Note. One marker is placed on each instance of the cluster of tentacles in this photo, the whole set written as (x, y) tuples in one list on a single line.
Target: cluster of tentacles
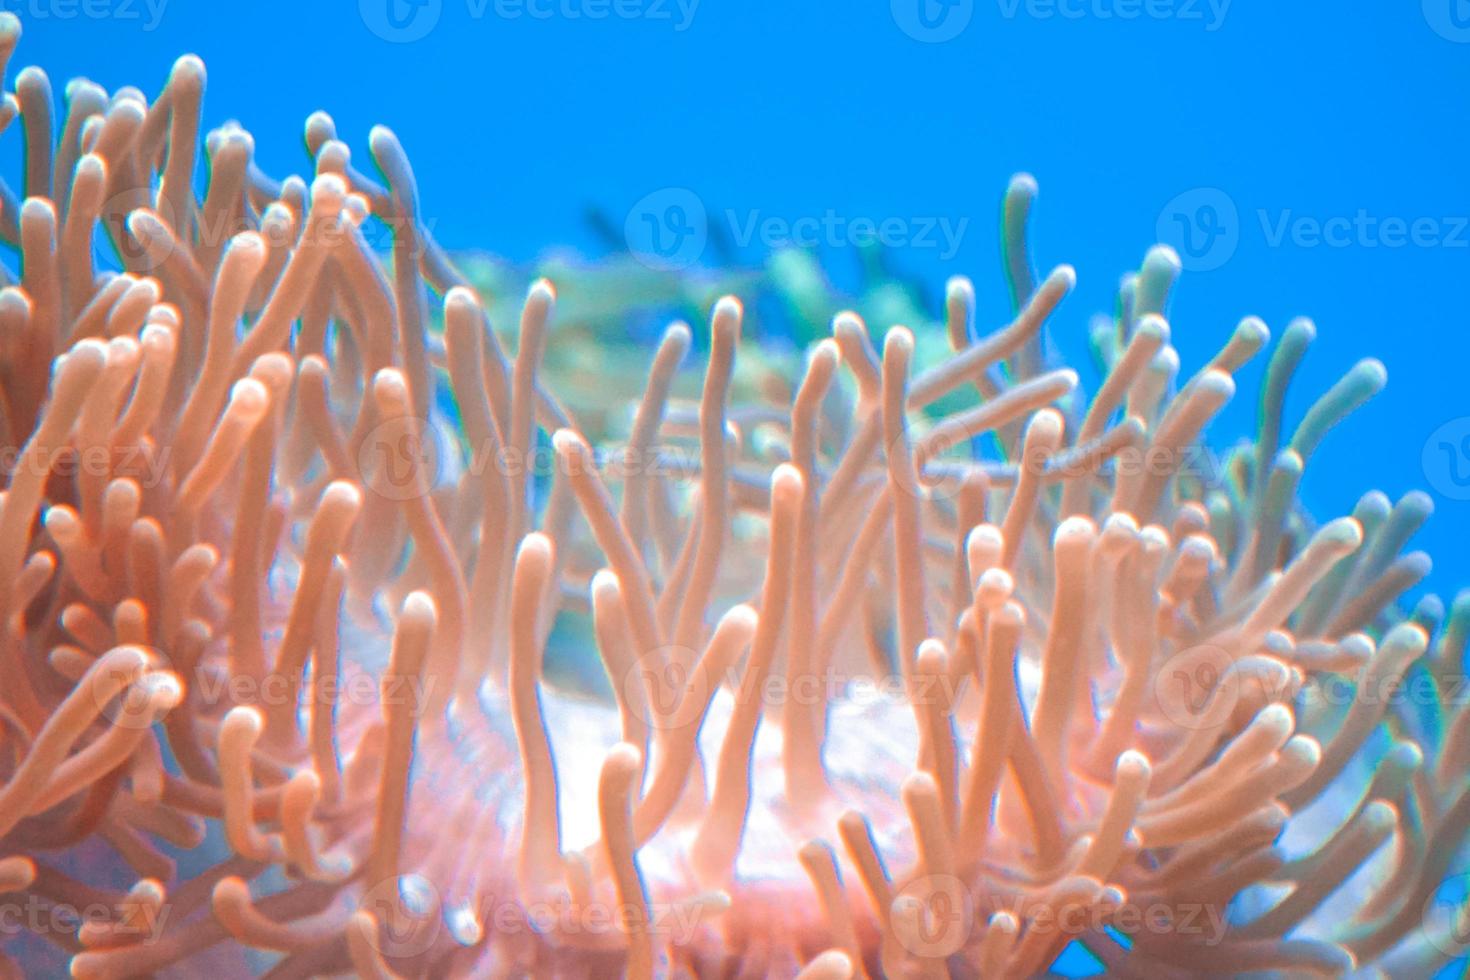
[(914, 670)]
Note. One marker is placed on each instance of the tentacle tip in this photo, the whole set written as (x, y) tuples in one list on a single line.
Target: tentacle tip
[(188, 70), (462, 299), (917, 785), (1023, 184), (34, 209), (246, 718), (786, 483), (389, 383), (1373, 372), (328, 190), (744, 617), (825, 352), (1218, 383), (249, 397), (1254, 330), (534, 546), (1380, 815), (848, 322), (624, 758), (728, 308), (1419, 502), (1164, 259), (1064, 277), (31, 75), (605, 583), (381, 139), (1278, 716), (899, 340), (1290, 461), (1133, 762), (1075, 530), (231, 890), (420, 604), (344, 494), (959, 288), (1154, 327), (569, 444), (1304, 327), (1344, 532)]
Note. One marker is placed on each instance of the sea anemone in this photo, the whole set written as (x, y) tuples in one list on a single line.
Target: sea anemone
[(906, 661)]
